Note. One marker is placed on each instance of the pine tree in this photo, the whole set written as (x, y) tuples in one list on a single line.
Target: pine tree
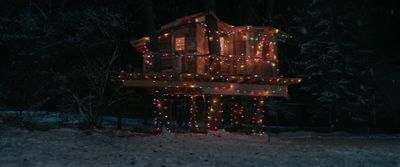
[(334, 66)]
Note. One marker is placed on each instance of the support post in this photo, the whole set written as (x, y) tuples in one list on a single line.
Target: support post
[(159, 104), (237, 113), (215, 113), (259, 115), (193, 113)]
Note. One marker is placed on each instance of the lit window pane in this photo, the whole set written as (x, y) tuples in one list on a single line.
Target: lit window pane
[(222, 45), (180, 43)]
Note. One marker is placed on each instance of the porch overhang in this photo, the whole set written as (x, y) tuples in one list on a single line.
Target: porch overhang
[(212, 88), (193, 84)]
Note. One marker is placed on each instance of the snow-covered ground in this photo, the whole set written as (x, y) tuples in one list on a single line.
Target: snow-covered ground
[(60, 146), (73, 147)]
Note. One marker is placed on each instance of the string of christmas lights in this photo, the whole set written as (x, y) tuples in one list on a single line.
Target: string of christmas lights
[(215, 119), (247, 57), (208, 77), (193, 113), (261, 39), (257, 119), (157, 102), (237, 113)]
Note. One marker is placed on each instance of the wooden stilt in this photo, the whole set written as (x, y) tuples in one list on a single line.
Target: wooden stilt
[(237, 113), (193, 113), (259, 115), (215, 113), (160, 106)]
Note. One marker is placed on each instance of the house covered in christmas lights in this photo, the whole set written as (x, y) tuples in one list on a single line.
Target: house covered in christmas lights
[(201, 56)]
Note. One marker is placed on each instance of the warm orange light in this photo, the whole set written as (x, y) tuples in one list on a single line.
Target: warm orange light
[(180, 43), (222, 44)]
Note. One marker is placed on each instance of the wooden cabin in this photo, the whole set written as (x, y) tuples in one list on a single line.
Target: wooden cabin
[(200, 55)]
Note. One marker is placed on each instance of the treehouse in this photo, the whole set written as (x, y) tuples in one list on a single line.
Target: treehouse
[(199, 55)]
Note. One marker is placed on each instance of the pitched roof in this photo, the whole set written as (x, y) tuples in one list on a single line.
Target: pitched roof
[(184, 20), (221, 26)]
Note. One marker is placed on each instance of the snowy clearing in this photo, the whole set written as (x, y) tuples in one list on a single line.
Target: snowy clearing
[(72, 147)]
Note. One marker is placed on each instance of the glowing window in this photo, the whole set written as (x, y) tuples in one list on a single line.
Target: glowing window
[(222, 45), (180, 43), (200, 19)]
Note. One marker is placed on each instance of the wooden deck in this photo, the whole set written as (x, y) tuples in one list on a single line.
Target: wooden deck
[(205, 85)]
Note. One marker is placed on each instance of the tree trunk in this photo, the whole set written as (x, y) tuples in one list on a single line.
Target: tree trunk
[(150, 26), (212, 26), (209, 5)]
